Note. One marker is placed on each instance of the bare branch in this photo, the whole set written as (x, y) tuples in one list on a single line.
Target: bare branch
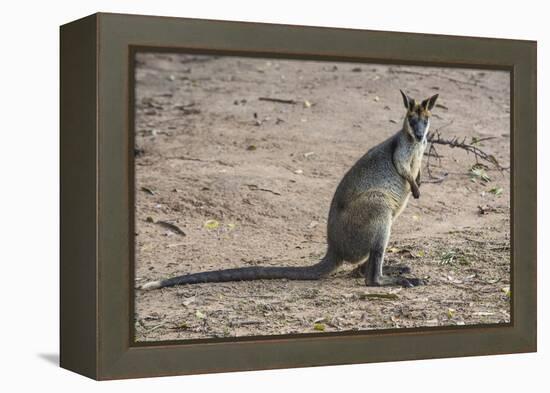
[(454, 142), (435, 138)]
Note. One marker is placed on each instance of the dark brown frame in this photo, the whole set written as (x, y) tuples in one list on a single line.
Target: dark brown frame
[(97, 195)]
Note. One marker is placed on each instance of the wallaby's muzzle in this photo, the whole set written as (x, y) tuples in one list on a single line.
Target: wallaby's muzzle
[(419, 127), (419, 134)]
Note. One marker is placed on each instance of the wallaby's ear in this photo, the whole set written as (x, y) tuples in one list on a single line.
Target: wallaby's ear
[(406, 100), (429, 103)]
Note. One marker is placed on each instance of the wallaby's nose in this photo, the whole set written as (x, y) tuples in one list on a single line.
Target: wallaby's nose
[(419, 135)]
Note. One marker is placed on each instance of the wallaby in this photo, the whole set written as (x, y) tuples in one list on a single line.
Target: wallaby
[(366, 203)]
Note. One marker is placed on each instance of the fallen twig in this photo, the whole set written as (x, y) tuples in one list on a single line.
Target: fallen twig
[(254, 187), (156, 327), (172, 227), (436, 180), (147, 190), (438, 75), (279, 100), (187, 158), (391, 296), (243, 323)]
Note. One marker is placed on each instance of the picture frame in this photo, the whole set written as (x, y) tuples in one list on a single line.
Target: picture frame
[(97, 195)]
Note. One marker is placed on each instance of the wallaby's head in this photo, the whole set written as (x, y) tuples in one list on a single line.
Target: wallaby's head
[(417, 120)]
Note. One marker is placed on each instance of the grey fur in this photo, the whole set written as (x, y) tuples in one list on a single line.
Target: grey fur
[(368, 200)]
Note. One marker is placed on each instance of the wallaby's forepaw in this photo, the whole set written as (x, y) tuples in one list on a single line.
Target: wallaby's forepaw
[(416, 193)]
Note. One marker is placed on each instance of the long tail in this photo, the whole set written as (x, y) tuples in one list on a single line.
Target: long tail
[(321, 269)]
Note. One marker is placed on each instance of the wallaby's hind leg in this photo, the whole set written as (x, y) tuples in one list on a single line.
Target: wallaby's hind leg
[(375, 265), (376, 278), (362, 231)]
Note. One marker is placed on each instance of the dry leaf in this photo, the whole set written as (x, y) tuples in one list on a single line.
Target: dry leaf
[(211, 224)]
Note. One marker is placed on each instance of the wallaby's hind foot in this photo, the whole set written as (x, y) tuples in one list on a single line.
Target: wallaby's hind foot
[(416, 282), (375, 273), (383, 281), (394, 270)]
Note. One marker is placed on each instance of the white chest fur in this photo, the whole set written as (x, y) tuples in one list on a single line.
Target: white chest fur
[(416, 157)]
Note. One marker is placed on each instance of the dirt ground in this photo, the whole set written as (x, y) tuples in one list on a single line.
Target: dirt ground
[(249, 182)]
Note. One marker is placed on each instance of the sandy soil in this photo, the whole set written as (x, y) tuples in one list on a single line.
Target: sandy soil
[(249, 182)]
